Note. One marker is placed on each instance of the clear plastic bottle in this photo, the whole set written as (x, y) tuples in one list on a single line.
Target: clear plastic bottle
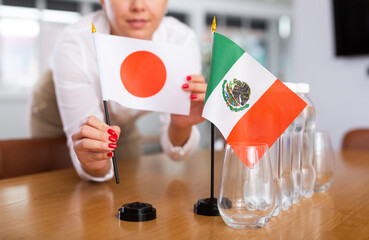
[(297, 135), (274, 159), (285, 169), (307, 168), (297, 157)]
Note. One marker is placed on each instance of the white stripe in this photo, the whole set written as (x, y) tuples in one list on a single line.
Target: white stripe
[(245, 69)]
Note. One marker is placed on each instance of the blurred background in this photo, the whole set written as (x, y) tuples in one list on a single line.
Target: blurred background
[(321, 42)]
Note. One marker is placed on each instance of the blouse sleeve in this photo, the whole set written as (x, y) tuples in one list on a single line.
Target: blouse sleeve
[(175, 152), (77, 91)]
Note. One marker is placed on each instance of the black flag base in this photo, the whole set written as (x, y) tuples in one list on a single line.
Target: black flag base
[(207, 207), (137, 212)]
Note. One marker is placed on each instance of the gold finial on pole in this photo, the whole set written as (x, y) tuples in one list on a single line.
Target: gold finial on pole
[(213, 25), (93, 28)]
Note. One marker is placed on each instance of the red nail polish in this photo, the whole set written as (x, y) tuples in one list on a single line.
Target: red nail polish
[(110, 154), (185, 85), (193, 96), (112, 145), (112, 138), (188, 78), (111, 132)]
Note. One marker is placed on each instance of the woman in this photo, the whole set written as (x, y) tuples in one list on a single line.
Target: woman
[(78, 91)]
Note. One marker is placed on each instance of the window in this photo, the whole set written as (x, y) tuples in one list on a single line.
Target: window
[(27, 37), (19, 33)]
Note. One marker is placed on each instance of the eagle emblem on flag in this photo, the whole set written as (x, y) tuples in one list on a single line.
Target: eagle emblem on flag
[(236, 93)]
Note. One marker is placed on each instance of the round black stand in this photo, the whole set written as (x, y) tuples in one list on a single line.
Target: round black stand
[(207, 207), (137, 212)]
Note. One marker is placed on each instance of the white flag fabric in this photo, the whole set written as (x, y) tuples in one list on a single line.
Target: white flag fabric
[(143, 74)]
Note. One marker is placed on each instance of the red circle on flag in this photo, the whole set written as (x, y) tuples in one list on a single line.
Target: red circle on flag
[(143, 74)]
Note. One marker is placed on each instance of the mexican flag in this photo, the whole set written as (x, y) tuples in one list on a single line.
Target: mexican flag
[(244, 100)]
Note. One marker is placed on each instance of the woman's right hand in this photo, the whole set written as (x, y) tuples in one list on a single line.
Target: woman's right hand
[(93, 144)]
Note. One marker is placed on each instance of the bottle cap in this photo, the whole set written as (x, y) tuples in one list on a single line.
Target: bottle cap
[(303, 88), (292, 86)]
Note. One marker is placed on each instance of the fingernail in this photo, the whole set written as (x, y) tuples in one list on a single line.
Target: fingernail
[(193, 96), (112, 138), (110, 154), (185, 85), (188, 78), (112, 145), (111, 132)]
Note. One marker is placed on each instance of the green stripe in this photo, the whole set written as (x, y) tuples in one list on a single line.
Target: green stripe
[(225, 54)]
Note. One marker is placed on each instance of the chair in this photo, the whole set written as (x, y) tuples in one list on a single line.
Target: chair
[(356, 139), (27, 156)]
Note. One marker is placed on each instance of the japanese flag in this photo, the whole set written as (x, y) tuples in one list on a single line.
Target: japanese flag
[(143, 74)]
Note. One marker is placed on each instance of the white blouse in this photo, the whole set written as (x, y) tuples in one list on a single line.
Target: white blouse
[(75, 74)]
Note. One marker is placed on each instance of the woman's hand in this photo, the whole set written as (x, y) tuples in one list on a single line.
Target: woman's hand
[(180, 126), (93, 144)]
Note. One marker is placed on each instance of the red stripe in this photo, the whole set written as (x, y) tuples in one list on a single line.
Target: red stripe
[(269, 117)]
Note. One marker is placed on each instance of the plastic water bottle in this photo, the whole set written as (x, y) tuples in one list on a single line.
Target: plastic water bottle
[(297, 136), (285, 169), (297, 157), (274, 159), (307, 168)]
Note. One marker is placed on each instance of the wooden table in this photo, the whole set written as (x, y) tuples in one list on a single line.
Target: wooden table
[(58, 205)]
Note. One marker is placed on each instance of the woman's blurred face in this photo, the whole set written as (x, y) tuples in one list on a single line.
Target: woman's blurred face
[(134, 18)]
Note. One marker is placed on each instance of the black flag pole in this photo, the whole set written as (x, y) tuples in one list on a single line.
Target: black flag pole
[(212, 164), (106, 111), (134, 211), (107, 120), (209, 206)]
